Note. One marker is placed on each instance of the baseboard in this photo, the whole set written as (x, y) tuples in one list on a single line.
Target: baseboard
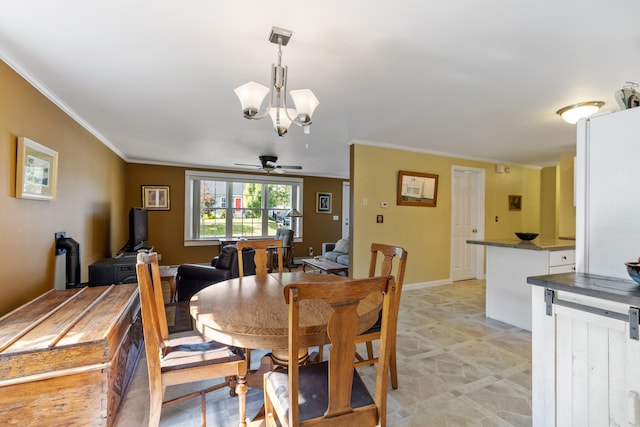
[(421, 285)]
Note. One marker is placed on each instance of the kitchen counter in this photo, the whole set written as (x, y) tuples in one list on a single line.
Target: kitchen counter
[(591, 285), (509, 263), (537, 244)]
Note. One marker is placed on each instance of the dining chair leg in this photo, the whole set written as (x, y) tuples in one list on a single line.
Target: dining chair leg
[(392, 365), (370, 352), (241, 391), (203, 409), (247, 355), (155, 403)]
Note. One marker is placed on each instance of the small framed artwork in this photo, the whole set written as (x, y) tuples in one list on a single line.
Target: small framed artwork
[(323, 202), (515, 202), (417, 189), (36, 171), (156, 197)]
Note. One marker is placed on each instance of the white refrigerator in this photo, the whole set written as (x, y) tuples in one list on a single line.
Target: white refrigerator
[(608, 193)]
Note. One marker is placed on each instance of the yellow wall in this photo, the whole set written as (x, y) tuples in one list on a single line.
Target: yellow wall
[(89, 194), (566, 207), (548, 202), (166, 228), (425, 231)]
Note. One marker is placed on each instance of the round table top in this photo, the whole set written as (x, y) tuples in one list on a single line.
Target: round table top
[(251, 311)]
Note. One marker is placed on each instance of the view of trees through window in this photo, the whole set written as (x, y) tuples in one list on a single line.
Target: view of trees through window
[(227, 207)]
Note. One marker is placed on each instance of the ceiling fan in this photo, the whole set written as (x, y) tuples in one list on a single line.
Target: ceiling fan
[(268, 164)]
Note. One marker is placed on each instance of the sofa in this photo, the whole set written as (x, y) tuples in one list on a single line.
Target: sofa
[(192, 278), (337, 252)]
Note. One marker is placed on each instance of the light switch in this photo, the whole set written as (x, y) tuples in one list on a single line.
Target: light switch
[(384, 204)]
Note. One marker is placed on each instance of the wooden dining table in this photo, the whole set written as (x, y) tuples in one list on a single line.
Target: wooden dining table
[(251, 312)]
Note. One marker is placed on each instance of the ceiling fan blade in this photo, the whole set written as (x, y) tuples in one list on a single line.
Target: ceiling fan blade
[(246, 164), (291, 167)]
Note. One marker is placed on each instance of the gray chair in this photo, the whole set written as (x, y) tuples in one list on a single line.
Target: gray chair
[(286, 235)]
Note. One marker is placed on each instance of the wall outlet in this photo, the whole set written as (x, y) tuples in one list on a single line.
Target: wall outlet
[(310, 251), (159, 257)]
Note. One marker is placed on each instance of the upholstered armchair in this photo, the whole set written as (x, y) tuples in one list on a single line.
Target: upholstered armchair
[(286, 235), (192, 278)]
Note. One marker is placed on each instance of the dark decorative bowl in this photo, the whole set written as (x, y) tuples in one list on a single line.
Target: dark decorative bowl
[(633, 268), (526, 236)]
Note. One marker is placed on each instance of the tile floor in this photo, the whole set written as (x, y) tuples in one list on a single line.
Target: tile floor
[(456, 368)]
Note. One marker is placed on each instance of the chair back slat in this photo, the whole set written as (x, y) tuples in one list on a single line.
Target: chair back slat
[(261, 254)]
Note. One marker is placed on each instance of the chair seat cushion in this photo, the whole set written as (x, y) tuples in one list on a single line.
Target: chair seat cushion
[(193, 350), (314, 390)]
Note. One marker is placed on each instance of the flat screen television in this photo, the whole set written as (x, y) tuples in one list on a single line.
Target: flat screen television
[(138, 235)]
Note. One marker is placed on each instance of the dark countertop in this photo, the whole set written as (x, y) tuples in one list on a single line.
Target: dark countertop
[(537, 244), (606, 288)]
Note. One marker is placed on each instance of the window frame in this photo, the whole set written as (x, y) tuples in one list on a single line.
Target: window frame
[(192, 204)]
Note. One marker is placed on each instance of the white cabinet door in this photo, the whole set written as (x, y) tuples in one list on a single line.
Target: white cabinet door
[(585, 367)]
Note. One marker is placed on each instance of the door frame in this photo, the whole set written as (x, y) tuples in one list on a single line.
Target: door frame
[(480, 175), (346, 209)]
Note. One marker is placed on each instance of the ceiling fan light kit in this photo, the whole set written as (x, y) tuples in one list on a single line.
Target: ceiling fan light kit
[(268, 165), (573, 113), (253, 94)]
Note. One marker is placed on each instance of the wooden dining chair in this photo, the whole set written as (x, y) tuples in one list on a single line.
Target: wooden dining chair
[(331, 393), (263, 250), (389, 253), (172, 361)]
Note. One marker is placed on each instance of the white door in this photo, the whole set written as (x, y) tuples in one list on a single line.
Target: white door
[(346, 200), (467, 219)]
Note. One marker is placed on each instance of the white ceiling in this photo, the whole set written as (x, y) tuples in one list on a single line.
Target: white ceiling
[(154, 79)]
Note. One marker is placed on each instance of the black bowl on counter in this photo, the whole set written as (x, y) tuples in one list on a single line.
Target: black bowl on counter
[(526, 236), (633, 268)]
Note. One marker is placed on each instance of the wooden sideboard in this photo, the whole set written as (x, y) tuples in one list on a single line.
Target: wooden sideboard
[(68, 356)]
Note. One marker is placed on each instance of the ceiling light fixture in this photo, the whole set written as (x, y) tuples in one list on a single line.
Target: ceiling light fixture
[(253, 94), (573, 113)]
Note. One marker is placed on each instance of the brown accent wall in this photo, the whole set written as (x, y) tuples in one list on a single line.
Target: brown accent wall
[(166, 228), (89, 194)]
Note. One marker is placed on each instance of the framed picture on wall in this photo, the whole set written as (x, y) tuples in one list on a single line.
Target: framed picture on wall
[(515, 202), (156, 197), (417, 189), (36, 171), (323, 202)]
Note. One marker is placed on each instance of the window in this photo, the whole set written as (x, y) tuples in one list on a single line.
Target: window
[(257, 207)]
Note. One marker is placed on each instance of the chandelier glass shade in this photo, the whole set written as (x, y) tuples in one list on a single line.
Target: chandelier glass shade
[(573, 113), (252, 95)]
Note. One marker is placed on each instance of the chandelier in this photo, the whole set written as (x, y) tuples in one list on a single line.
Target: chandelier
[(253, 94)]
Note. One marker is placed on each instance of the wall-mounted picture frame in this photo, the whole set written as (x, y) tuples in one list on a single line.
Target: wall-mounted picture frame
[(323, 202), (417, 189), (36, 171), (156, 197), (515, 202)]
